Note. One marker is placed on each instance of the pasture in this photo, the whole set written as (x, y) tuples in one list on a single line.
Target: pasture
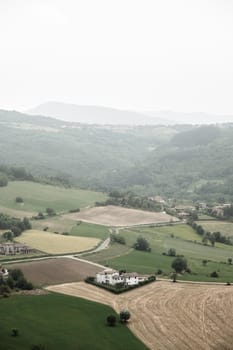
[(117, 216), (226, 228), (56, 270), (37, 197), (85, 229), (52, 243), (166, 315), (183, 239), (61, 322)]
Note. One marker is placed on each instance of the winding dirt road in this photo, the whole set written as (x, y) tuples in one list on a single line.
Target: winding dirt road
[(166, 315)]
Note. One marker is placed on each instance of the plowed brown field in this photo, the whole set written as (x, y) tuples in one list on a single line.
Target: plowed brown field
[(118, 216), (171, 316), (54, 271)]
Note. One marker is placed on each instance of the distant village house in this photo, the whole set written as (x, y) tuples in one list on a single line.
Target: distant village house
[(11, 248)]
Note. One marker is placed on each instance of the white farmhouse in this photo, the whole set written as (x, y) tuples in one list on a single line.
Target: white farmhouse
[(112, 277)]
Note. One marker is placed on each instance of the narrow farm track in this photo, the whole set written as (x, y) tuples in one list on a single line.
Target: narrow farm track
[(170, 316)]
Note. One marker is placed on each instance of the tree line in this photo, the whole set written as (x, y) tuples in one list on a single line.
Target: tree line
[(130, 200), (208, 236), (14, 225)]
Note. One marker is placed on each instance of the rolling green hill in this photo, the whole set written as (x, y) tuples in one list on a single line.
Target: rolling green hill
[(180, 237), (181, 161), (61, 322), (37, 197)]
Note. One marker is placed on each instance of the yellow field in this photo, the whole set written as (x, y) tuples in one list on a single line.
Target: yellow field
[(52, 243), (166, 315)]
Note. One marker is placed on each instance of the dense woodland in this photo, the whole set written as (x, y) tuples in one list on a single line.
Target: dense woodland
[(181, 161)]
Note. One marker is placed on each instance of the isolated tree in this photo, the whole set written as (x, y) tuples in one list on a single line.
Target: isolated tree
[(40, 216), (171, 252), (14, 332), (111, 320), (142, 244), (8, 236), (179, 265), (174, 276), (50, 212), (214, 274), (229, 261), (19, 200), (3, 180), (212, 240), (204, 262), (124, 316), (37, 347)]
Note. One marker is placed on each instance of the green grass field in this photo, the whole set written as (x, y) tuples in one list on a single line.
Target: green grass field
[(37, 197), (61, 322), (185, 241), (90, 230), (226, 228)]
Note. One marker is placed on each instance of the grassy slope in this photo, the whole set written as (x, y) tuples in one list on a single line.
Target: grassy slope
[(61, 322), (37, 197), (90, 230), (185, 241)]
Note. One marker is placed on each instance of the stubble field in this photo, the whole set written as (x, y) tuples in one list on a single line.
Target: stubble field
[(170, 316), (117, 216), (52, 243)]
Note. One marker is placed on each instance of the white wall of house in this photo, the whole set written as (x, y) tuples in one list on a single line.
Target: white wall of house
[(113, 277)]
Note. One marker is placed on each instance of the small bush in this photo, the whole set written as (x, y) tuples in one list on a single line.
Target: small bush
[(111, 320), (171, 252), (50, 212), (19, 200), (124, 316), (14, 332), (214, 274), (77, 210), (115, 238)]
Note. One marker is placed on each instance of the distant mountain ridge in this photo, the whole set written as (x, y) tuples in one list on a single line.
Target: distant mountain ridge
[(96, 115), (112, 116)]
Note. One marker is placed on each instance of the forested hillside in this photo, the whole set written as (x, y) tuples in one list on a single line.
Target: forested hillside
[(180, 161)]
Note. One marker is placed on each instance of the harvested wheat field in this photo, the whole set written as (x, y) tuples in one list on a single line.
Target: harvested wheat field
[(170, 316), (52, 243), (56, 270), (117, 216)]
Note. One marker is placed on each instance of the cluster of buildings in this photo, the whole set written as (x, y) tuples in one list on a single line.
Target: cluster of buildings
[(12, 248), (113, 277)]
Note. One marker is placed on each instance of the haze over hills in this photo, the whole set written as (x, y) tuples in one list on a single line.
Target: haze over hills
[(176, 161), (112, 116), (92, 114)]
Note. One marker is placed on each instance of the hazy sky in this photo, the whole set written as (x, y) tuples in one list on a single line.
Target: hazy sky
[(134, 54)]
